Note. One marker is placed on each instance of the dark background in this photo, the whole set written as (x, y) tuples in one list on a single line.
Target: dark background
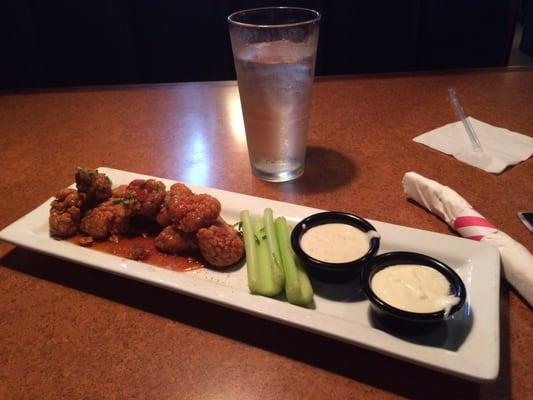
[(46, 43)]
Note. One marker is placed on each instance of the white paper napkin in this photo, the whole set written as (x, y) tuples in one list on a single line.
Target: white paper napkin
[(501, 147), (517, 261)]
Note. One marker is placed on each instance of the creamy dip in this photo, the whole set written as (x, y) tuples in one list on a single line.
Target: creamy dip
[(336, 242), (414, 288)]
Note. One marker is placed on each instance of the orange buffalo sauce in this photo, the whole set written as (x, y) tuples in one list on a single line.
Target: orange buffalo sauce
[(122, 247)]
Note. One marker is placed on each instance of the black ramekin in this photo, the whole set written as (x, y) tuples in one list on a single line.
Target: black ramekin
[(327, 271), (387, 311)]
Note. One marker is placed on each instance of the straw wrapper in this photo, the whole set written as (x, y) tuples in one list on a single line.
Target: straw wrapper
[(444, 202)]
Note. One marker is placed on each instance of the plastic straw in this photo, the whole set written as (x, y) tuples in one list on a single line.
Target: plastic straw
[(458, 107)]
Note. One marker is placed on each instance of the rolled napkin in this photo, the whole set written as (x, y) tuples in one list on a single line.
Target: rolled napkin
[(501, 147), (517, 261)]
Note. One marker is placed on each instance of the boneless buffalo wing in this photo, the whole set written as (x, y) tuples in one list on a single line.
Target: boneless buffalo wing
[(193, 212), (220, 244), (108, 218), (176, 193), (95, 186), (187, 222), (149, 195), (65, 212), (172, 240)]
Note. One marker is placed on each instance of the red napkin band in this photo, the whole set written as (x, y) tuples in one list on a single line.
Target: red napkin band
[(472, 225)]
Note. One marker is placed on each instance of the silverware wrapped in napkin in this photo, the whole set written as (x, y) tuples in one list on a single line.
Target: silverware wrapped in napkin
[(517, 261)]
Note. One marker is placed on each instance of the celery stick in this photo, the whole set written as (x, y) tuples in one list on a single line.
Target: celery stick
[(298, 288), (258, 261), (273, 248), (272, 273), (250, 249)]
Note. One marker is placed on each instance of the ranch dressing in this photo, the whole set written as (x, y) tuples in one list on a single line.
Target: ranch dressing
[(336, 242), (414, 288)]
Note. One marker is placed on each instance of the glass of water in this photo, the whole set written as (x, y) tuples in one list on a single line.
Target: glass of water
[(274, 49)]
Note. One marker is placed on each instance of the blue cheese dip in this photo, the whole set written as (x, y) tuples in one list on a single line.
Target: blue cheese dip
[(414, 288), (336, 242)]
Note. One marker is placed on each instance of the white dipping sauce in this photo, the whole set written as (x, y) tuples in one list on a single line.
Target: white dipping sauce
[(414, 288), (336, 242)]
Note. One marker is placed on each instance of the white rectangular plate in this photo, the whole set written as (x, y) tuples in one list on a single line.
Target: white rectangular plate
[(466, 346)]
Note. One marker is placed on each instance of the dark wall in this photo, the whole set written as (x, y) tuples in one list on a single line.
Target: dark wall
[(47, 43)]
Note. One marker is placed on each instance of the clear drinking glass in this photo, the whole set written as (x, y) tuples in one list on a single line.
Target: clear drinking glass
[(274, 49)]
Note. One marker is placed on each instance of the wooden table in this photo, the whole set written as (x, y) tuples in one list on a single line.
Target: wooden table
[(67, 331)]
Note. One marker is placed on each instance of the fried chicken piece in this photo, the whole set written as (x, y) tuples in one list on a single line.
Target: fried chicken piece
[(180, 190), (64, 224), (65, 212), (109, 218), (119, 191), (95, 185), (220, 244), (66, 199), (171, 240), (194, 212), (177, 192), (137, 253), (162, 217), (150, 194)]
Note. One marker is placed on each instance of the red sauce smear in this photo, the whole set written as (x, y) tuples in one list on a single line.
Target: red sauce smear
[(122, 247)]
